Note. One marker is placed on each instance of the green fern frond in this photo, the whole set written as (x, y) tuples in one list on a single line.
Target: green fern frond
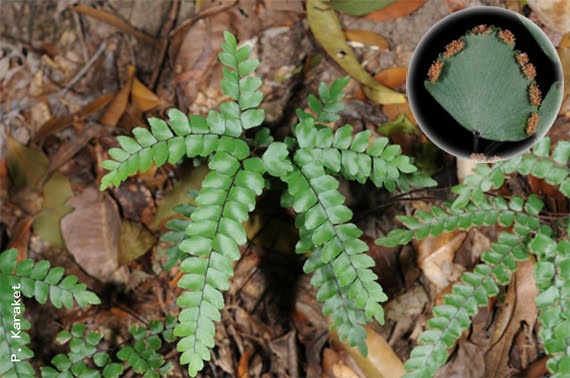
[(194, 135), (454, 316), (355, 158), (552, 273), (485, 212), (538, 162), (143, 356), (31, 280), (224, 202)]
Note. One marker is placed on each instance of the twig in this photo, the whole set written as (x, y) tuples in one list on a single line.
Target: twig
[(164, 44)]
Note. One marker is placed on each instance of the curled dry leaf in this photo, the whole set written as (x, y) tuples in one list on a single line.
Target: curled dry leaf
[(91, 233), (326, 28), (143, 97), (516, 318), (435, 258), (395, 10), (119, 104)]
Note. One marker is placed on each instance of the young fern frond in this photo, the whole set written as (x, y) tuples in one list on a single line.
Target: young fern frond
[(31, 280)]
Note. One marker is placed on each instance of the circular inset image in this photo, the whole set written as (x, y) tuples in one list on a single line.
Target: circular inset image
[(485, 83)]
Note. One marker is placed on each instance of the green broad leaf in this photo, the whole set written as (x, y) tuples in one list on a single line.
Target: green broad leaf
[(467, 88), (276, 159), (359, 7), (252, 118)]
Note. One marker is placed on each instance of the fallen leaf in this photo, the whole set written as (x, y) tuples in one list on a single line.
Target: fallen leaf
[(400, 123), (394, 77), (179, 194), (115, 21), (395, 10), (367, 37), (393, 111), (326, 28), (243, 365), (26, 166), (409, 303), (56, 192), (553, 13), (135, 241), (435, 258), (136, 202), (119, 104), (517, 314), (55, 125), (91, 233), (381, 361), (143, 97), (72, 146), (359, 7)]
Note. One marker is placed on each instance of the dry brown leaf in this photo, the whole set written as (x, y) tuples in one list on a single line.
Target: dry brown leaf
[(26, 166), (91, 233), (70, 147), (143, 97), (514, 324), (435, 258), (243, 365), (392, 111), (553, 13), (20, 237), (57, 124), (398, 9), (135, 241), (381, 362), (119, 104), (394, 77), (111, 19), (367, 37)]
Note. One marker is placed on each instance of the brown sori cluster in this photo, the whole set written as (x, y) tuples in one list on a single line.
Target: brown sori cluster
[(507, 36), (435, 71), (481, 29), (528, 68), (534, 94), (532, 123), (453, 48), (478, 157)]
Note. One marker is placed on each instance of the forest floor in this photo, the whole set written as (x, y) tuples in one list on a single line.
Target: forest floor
[(76, 74)]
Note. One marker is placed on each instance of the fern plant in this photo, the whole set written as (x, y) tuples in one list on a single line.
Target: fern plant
[(308, 162), (524, 235)]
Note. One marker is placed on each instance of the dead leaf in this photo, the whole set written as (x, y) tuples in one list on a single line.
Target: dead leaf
[(326, 28), (119, 104), (367, 37), (394, 77), (56, 192), (435, 258), (395, 110), (69, 148), (243, 365), (143, 97), (91, 233), (553, 13), (395, 10), (115, 21), (381, 361), (514, 325), (26, 166), (135, 241), (55, 125), (136, 202)]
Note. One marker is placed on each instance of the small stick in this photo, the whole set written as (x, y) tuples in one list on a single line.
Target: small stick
[(164, 44)]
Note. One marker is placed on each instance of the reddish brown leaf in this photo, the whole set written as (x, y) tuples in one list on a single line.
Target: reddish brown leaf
[(119, 104), (395, 10), (143, 97)]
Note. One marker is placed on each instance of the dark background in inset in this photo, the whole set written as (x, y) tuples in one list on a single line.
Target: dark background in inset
[(438, 124)]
